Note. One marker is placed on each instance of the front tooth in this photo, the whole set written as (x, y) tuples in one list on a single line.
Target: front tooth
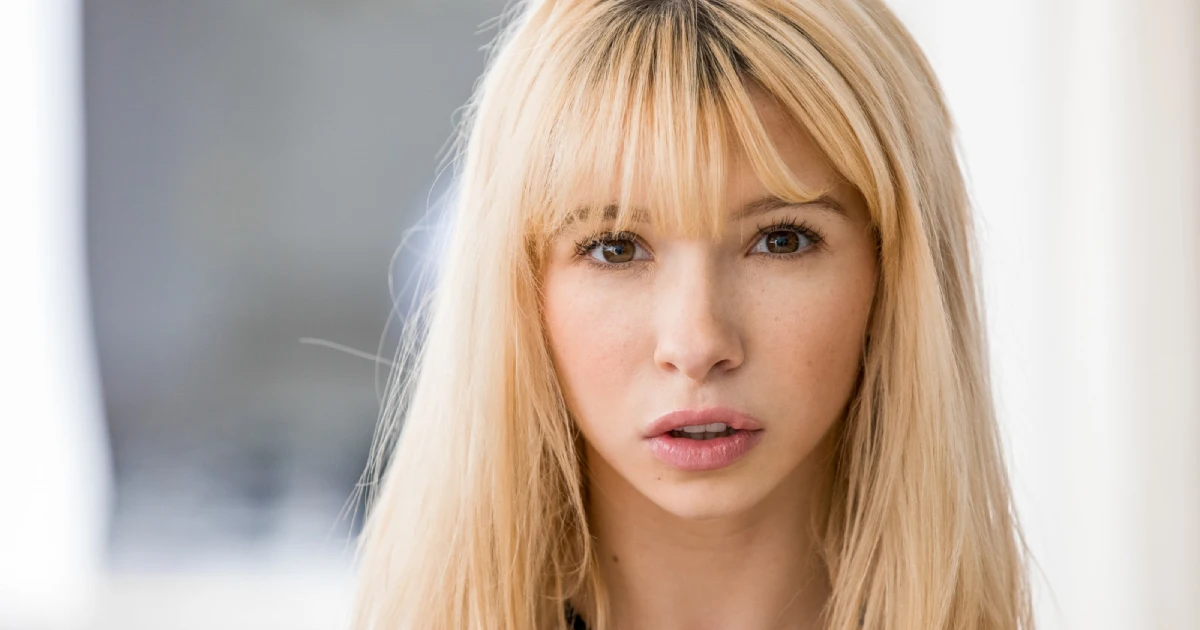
[(695, 429), (715, 427)]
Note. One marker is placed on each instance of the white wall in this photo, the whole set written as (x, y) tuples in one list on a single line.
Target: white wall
[(1080, 128)]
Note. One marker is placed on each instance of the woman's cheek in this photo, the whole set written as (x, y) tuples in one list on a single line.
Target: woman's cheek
[(595, 337), (806, 328)]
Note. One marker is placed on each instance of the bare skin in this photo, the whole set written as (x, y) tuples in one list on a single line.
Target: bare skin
[(766, 320)]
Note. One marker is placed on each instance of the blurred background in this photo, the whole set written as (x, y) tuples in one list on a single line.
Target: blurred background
[(203, 202)]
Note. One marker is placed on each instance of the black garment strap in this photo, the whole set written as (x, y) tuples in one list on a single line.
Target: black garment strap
[(574, 621)]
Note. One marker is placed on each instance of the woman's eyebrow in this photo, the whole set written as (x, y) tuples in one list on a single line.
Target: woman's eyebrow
[(763, 205), (611, 211), (580, 214)]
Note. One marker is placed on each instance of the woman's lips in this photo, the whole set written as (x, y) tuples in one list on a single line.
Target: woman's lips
[(692, 417), (698, 455)]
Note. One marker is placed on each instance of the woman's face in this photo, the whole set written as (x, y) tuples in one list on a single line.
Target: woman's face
[(760, 330)]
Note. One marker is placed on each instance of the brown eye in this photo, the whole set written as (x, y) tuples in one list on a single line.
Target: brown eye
[(783, 242), (618, 251), (615, 251)]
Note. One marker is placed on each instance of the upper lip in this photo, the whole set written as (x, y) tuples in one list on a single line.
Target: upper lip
[(691, 417)]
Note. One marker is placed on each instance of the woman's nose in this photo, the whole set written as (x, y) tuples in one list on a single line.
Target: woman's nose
[(697, 335)]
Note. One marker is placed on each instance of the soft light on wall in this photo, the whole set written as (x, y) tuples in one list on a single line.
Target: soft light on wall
[(54, 481), (1079, 124)]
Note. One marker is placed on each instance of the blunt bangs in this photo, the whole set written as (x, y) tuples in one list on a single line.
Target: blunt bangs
[(646, 112)]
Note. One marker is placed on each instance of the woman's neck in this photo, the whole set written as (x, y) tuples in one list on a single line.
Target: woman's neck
[(758, 570)]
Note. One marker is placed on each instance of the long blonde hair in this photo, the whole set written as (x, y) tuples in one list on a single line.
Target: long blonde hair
[(480, 519)]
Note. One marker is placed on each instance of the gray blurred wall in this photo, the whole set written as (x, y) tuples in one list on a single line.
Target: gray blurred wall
[(251, 168)]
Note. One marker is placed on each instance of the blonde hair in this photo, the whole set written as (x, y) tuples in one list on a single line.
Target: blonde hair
[(480, 521)]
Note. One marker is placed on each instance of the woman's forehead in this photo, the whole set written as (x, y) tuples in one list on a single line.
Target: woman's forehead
[(734, 145), (743, 190)]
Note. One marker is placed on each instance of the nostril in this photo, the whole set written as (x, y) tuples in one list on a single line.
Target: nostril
[(695, 338), (698, 362)]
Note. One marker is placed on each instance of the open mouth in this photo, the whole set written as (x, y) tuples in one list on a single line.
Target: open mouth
[(702, 435), (702, 440)]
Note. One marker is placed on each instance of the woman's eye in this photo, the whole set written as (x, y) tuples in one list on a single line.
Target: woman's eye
[(782, 241), (615, 251)]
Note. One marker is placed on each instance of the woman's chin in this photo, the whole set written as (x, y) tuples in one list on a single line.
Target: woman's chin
[(706, 499)]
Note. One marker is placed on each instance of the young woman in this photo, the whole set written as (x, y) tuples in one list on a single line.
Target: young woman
[(706, 350)]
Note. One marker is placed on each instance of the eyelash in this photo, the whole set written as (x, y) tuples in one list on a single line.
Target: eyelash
[(805, 229), (802, 228), (583, 247)]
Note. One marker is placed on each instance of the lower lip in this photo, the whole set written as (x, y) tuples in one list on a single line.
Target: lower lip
[(697, 455)]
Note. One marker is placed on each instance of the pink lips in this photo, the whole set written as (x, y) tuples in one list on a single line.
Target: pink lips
[(699, 455)]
